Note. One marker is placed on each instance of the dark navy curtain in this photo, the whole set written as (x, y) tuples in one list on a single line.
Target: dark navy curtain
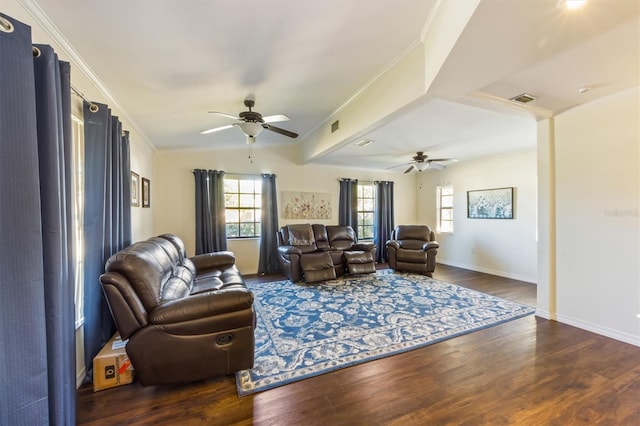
[(268, 263), (107, 217), (348, 203), (37, 335), (211, 231), (383, 218)]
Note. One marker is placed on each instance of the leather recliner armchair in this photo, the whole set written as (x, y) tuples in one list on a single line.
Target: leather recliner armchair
[(185, 319), (413, 248)]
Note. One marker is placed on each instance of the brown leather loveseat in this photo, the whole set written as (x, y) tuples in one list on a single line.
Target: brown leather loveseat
[(316, 252), (186, 318)]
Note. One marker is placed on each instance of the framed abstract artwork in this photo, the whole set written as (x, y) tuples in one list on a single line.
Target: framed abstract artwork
[(306, 205), (490, 203), (135, 191), (146, 192)]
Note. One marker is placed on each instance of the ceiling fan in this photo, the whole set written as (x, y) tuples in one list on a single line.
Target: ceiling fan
[(422, 162), (252, 122)]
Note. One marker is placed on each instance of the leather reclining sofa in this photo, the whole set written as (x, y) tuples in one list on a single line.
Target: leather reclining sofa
[(186, 319), (316, 252)]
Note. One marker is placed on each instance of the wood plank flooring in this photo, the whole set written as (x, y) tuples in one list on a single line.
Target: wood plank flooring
[(526, 372)]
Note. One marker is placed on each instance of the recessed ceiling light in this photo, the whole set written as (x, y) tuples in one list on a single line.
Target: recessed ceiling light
[(364, 142), (584, 89)]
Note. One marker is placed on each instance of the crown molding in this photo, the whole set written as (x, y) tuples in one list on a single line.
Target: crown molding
[(36, 12)]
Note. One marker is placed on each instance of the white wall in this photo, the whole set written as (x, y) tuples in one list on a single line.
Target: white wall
[(597, 219), (174, 190), (504, 247)]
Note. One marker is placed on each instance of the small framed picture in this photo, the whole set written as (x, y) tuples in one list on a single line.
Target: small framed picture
[(146, 192), (135, 192)]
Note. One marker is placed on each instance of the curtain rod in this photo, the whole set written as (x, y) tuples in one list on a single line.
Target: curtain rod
[(92, 106)]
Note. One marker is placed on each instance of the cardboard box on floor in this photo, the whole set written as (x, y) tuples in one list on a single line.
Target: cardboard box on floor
[(111, 367)]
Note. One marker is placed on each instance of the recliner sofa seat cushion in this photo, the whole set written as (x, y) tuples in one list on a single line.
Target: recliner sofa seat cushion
[(411, 256)]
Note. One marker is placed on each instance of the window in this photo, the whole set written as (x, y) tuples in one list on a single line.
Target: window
[(242, 202), (366, 204), (445, 208), (78, 214)]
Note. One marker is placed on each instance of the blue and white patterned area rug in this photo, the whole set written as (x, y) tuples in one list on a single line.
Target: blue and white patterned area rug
[(305, 330)]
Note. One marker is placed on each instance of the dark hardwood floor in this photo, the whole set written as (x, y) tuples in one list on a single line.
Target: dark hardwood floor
[(526, 372)]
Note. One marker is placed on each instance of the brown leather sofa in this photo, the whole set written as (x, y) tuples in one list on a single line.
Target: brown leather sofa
[(413, 248), (186, 318), (319, 250)]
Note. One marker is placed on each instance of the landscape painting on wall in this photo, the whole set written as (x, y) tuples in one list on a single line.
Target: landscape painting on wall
[(490, 204), (306, 205)]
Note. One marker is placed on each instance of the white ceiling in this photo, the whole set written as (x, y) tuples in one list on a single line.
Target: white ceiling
[(167, 63)]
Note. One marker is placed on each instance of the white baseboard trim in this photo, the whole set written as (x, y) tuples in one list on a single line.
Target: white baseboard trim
[(599, 329), (80, 377), (476, 268), (589, 326)]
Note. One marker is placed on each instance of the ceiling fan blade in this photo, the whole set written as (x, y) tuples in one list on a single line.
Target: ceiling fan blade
[(279, 130), (413, 166), (437, 166), (275, 118), (216, 129), (442, 159), (224, 114)]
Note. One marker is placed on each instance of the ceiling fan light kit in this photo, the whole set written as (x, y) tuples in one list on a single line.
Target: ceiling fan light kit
[(252, 123)]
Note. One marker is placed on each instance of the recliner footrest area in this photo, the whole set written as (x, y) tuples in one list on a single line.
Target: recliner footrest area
[(360, 262), (317, 267)]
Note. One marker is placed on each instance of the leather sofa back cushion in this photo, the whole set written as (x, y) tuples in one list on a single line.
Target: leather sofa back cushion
[(411, 244), (320, 234), (149, 265), (301, 236), (341, 237), (413, 232)]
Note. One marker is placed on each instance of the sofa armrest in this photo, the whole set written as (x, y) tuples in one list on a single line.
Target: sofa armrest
[(393, 244), (217, 260), (289, 250), (430, 245), (202, 305)]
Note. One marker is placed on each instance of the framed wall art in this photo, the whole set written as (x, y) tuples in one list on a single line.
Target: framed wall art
[(490, 203), (146, 192), (306, 205), (135, 191)]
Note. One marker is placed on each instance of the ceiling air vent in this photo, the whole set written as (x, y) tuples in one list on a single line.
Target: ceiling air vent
[(525, 98), (335, 126)]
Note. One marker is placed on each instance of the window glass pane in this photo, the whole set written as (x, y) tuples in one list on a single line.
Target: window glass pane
[(231, 200), (367, 191), (233, 230), (247, 229), (247, 186), (367, 233), (367, 219), (231, 215), (230, 185), (447, 190), (368, 204), (444, 201), (246, 215), (243, 202), (247, 200), (446, 227)]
